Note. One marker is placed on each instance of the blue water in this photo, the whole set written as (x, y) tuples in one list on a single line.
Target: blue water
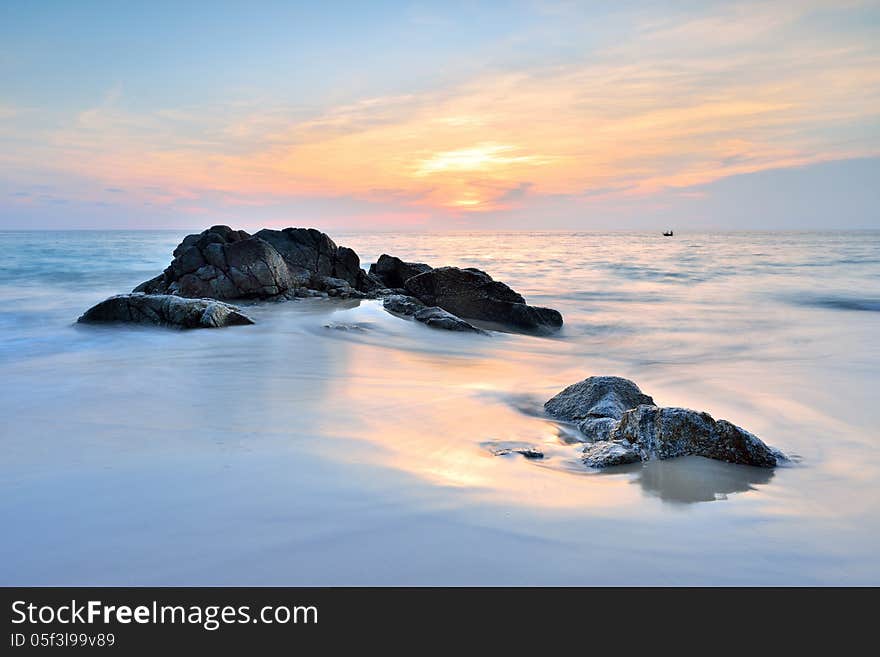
[(332, 443)]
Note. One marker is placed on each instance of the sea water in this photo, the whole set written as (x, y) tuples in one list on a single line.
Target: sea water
[(332, 443)]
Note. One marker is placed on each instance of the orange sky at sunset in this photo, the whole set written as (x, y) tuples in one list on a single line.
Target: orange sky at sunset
[(678, 103)]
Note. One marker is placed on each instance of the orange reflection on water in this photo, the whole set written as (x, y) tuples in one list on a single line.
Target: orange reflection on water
[(440, 418)]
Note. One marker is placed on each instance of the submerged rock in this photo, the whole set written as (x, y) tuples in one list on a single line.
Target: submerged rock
[(624, 425), (528, 452), (473, 294), (165, 310), (394, 272), (438, 318), (344, 326), (435, 317), (402, 304)]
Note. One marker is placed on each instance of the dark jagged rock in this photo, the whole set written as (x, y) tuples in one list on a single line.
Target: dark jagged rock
[(155, 285), (165, 310), (338, 287), (311, 254), (433, 316), (472, 294), (246, 269), (624, 426), (305, 249), (222, 263), (528, 452), (596, 404), (394, 272), (331, 283), (663, 433), (438, 318), (402, 304)]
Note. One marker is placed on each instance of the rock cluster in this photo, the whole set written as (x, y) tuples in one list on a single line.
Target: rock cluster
[(466, 293), (224, 264), (623, 425)]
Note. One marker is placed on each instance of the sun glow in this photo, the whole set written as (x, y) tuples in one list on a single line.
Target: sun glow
[(485, 157)]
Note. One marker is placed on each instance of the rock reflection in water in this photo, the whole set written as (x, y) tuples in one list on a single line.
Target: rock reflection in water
[(691, 479)]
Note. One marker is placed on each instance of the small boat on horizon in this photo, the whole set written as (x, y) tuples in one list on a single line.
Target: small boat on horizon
[(667, 233)]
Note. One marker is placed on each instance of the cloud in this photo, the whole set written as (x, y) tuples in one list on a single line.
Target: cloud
[(684, 101), (7, 112)]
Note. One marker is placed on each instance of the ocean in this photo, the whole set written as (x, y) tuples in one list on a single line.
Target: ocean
[(334, 444)]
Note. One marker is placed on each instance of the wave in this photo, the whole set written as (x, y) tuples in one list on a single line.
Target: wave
[(840, 302)]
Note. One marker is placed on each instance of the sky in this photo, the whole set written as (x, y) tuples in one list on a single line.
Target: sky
[(440, 115)]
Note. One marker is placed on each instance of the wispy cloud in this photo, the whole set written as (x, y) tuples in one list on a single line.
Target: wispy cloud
[(684, 101)]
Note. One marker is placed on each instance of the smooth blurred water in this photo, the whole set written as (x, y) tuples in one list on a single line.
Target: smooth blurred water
[(332, 443)]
